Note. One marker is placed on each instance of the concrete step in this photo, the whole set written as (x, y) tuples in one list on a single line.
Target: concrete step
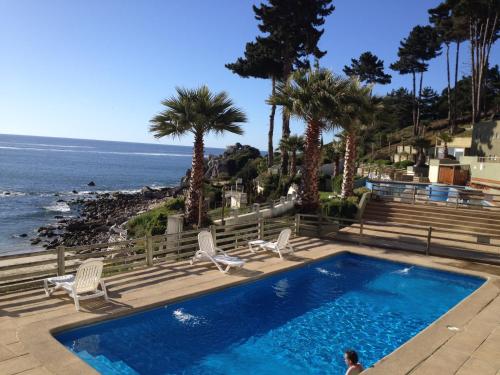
[(465, 228), (436, 217), (437, 209)]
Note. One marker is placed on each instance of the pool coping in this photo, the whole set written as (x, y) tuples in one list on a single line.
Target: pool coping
[(37, 336)]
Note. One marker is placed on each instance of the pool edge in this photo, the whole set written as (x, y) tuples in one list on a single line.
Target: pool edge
[(58, 359)]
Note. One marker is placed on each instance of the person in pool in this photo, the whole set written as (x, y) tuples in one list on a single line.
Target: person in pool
[(351, 360)]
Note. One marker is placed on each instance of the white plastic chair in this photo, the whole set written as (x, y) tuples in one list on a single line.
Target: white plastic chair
[(217, 256), (84, 285), (281, 246)]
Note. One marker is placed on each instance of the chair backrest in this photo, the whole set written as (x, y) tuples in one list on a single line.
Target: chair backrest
[(88, 276), (283, 238), (206, 243)]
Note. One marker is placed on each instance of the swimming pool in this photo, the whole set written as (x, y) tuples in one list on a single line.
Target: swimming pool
[(294, 322)]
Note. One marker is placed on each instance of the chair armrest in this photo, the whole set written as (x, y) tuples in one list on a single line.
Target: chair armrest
[(218, 250)]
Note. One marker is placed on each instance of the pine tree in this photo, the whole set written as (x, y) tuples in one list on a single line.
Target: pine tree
[(261, 61), (296, 28), (421, 45), (369, 69)]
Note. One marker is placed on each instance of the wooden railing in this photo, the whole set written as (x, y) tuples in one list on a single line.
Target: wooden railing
[(426, 239), (22, 271), (449, 196), (27, 270)]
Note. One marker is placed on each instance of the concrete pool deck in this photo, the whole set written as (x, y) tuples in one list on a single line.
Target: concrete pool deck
[(27, 318)]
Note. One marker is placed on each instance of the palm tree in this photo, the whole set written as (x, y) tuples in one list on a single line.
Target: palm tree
[(292, 144), (314, 96), (445, 138), (197, 111), (359, 109), (334, 153)]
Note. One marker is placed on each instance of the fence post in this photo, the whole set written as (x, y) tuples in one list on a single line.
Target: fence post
[(148, 244), (297, 224), (456, 201), (61, 267), (213, 231), (260, 225), (360, 227), (429, 235), (414, 194)]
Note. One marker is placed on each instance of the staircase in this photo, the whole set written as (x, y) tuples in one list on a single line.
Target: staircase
[(453, 229)]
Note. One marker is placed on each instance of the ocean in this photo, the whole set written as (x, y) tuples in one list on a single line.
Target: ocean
[(38, 175)]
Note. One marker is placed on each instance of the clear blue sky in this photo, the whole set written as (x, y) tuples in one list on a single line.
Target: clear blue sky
[(98, 69)]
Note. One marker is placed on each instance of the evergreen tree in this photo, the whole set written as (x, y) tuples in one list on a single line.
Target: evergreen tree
[(295, 26), (482, 18), (369, 69), (415, 51), (429, 105), (450, 28), (261, 61)]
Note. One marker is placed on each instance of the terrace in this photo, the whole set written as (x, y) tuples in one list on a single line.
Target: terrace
[(27, 318)]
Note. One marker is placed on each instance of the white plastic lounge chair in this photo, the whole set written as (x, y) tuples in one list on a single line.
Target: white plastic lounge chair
[(83, 285), (208, 251), (281, 246)]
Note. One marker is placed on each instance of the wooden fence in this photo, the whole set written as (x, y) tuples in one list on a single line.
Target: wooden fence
[(22, 271), (27, 270)]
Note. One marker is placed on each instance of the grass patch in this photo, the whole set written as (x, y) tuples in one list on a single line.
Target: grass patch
[(154, 222)]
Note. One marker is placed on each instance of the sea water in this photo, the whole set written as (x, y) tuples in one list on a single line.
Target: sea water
[(37, 172)]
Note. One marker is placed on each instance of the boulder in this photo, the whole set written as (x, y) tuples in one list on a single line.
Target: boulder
[(91, 183)]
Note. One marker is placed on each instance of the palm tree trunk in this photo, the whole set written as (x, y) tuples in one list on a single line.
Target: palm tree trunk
[(293, 163), (336, 166), (349, 165), (285, 133), (195, 190), (310, 175), (270, 148)]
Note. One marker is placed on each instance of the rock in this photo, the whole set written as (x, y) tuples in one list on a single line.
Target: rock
[(60, 201), (23, 235), (75, 192), (35, 241), (58, 217), (91, 183)]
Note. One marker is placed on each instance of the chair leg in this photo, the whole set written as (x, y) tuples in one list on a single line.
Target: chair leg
[(103, 287), (227, 269), (46, 288), (77, 303)]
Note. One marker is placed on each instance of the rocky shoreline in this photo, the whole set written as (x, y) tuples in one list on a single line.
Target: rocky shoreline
[(102, 217)]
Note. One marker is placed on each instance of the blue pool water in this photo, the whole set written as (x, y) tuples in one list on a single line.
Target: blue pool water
[(296, 322)]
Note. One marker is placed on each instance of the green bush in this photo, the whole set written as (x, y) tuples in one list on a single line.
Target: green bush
[(360, 191), (337, 183), (154, 221), (403, 164), (175, 204), (343, 208)]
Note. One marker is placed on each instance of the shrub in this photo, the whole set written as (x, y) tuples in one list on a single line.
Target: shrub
[(360, 191), (154, 222), (343, 208), (337, 183), (403, 164)]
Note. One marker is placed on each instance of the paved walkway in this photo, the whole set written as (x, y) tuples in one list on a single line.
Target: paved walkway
[(27, 318)]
